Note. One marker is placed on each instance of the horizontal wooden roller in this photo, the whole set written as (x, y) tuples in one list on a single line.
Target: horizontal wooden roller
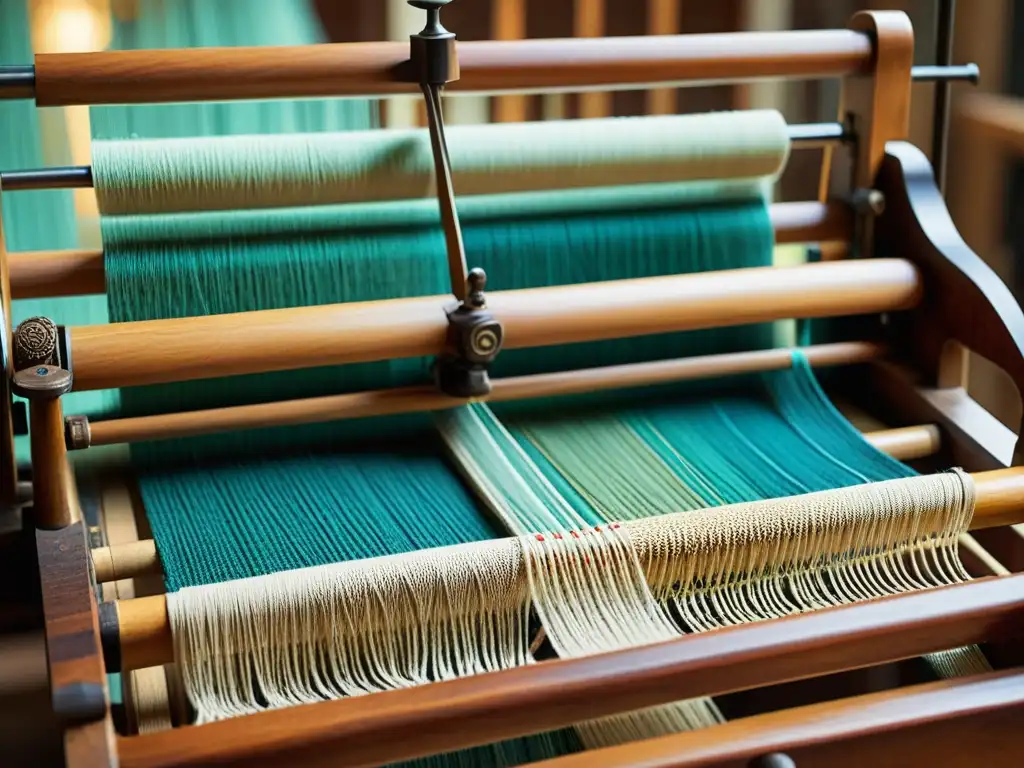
[(941, 720), (907, 443), (125, 561), (140, 558), (427, 398), (44, 274), (183, 349), (371, 69), (39, 274), (140, 633), (382, 728)]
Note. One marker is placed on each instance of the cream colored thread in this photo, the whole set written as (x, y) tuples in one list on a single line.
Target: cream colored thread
[(586, 585), (291, 170), (371, 625), (352, 628)]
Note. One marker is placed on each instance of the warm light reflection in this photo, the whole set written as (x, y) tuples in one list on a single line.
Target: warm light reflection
[(69, 26), (73, 26)]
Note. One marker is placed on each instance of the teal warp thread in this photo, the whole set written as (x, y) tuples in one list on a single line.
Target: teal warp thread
[(237, 519), (776, 437), (192, 264), (208, 263)]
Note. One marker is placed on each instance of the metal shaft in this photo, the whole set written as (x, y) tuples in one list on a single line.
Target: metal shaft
[(47, 178), (940, 116), (17, 82), (446, 193)]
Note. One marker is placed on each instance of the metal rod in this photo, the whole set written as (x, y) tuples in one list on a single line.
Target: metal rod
[(17, 82), (446, 193), (819, 133), (963, 73), (940, 116), (47, 178)]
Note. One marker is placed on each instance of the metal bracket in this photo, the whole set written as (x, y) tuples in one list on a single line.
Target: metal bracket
[(474, 334), (868, 204), (473, 341)]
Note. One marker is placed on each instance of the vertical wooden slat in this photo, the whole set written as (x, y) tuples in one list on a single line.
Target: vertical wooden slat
[(550, 19), (402, 111), (589, 21), (759, 16), (8, 466), (662, 19), (509, 23), (77, 677)]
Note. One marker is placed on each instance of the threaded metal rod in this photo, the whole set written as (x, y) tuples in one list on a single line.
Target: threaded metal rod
[(940, 115)]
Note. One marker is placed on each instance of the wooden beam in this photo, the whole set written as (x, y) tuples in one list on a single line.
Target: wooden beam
[(401, 725), (78, 681)]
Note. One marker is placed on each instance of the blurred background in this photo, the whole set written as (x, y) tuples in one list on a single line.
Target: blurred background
[(985, 186)]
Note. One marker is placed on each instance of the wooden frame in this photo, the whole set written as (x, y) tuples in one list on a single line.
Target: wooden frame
[(962, 301)]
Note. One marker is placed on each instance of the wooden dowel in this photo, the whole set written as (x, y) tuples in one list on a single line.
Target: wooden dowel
[(508, 22), (662, 19), (589, 21), (427, 398), (126, 561), (855, 731), (145, 633), (996, 119), (183, 349), (8, 458), (907, 443), (41, 274), (369, 69), (140, 558), (54, 495), (811, 222), (398, 725)]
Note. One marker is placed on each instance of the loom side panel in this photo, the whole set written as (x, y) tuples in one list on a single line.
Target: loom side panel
[(965, 300), (78, 683)]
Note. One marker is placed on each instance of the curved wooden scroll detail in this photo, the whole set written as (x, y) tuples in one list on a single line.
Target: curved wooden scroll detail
[(964, 298)]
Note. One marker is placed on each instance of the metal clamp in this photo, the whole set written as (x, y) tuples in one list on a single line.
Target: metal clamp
[(471, 345), (42, 365)]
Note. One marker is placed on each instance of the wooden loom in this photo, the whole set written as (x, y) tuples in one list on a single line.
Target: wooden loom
[(922, 305)]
